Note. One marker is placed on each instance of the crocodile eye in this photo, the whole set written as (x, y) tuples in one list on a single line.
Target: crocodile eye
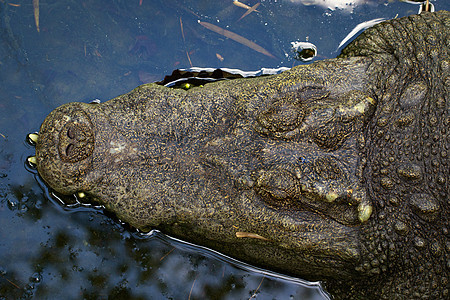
[(330, 136), (281, 116), (69, 150)]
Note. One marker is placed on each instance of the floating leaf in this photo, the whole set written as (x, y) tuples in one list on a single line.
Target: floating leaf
[(242, 5), (250, 10), (241, 234), (236, 37), (36, 13), (219, 57)]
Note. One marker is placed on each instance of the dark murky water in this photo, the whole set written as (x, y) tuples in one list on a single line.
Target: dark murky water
[(101, 49)]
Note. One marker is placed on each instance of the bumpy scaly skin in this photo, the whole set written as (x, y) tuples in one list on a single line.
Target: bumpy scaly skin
[(337, 171), (406, 242)]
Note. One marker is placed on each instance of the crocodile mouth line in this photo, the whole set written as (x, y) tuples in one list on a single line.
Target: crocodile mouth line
[(280, 190), (325, 211)]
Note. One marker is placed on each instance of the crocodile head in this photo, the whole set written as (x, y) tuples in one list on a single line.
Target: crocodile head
[(305, 172)]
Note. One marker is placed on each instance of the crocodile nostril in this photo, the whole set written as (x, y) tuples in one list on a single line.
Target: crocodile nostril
[(70, 133), (76, 142), (69, 150)]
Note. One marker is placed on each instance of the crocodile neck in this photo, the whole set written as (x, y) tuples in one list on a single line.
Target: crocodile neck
[(407, 161)]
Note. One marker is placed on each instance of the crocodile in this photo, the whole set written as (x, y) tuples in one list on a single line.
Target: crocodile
[(334, 171)]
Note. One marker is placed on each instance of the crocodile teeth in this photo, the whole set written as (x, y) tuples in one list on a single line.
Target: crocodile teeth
[(331, 196), (33, 138), (364, 212), (81, 195), (32, 160)]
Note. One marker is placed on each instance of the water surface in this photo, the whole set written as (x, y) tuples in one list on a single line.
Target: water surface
[(87, 50)]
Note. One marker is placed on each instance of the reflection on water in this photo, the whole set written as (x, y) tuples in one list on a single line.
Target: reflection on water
[(347, 5), (100, 49)]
